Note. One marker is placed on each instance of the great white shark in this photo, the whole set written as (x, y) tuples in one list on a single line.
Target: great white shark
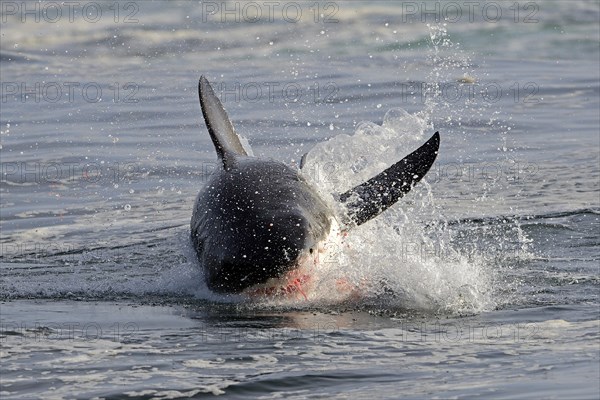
[(257, 222)]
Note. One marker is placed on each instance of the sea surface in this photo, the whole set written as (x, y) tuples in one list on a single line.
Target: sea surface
[(482, 282)]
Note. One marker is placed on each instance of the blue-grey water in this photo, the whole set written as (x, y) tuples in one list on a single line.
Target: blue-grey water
[(491, 265)]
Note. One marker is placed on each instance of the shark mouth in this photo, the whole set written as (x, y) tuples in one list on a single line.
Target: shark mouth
[(294, 284), (300, 282)]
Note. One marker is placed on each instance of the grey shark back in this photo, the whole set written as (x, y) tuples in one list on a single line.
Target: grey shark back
[(260, 219), (255, 218)]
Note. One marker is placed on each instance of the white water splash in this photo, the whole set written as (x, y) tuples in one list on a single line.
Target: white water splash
[(394, 256)]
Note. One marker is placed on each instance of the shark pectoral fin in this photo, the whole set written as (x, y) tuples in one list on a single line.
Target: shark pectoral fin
[(303, 160), (219, 126), (369, 199)]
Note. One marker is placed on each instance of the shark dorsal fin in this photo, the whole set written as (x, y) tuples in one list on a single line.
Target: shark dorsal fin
[(226, 141), (369, 199)]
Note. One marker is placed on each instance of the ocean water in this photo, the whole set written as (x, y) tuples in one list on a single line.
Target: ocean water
[(490, 265)]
